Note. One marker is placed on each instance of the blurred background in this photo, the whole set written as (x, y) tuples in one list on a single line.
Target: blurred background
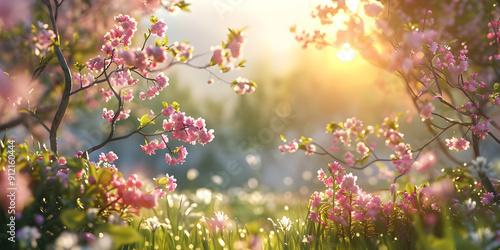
[(299, 92)]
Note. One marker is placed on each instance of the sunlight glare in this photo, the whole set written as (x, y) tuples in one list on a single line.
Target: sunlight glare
[(352, 5), (346, 54)]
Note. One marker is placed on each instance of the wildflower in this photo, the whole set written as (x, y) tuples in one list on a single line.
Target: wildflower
[(153, 223), (218, 222), (316, 199), (285, 223), (349, 183), (316, 217), (336, 168), (393, 188)]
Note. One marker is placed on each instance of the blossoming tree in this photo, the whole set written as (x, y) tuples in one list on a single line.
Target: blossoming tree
[(446, 55), (57, 76)]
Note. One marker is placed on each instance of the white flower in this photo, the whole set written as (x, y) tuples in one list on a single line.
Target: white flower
[(153, 223), (285, 223)]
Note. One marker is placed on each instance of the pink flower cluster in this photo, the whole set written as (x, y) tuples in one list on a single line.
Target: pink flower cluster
[(347, 200), (121, 33), (290, 147), (129, 196), (153, 145), (43, 39), (183, 128), (227, 55), (109, 157), (110, 114), (457, 144), (243, 86), (449, 61), (481, 129), (182, 51)]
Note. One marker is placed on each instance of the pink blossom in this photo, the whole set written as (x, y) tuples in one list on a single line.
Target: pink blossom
[(107, 95), (168, 112), (62, 160), (310, 149), (457, 144), (206, 136), (362, 148), (349, 158), (316, 199), (218, 56), (234, 45), (243, 86), (152, 146), (316, 217), (335, 168), (109, 157), (129, 95), (329, 182), (393, 188), (96, 64), (159, 28), (426, 111), (481, 129), (161, 80), (108, 114), (218, 222), (159, 54), (171, 185), (291, 147), (183, 51), (152, 5), (349, 183)]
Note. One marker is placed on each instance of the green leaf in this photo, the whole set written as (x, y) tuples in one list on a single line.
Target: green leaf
[(410, 188), (22, 111), (176, 106), (145, 120), (73, 219), (163, 181), (282, 138), (121, 235), (365, 158), (104, 176), (331, 127), (305, 140)]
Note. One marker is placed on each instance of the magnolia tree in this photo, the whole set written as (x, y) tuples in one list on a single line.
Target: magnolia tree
[(90, 55), (446, 54)]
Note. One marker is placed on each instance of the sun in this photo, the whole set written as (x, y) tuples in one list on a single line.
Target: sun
[(346, 54)]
